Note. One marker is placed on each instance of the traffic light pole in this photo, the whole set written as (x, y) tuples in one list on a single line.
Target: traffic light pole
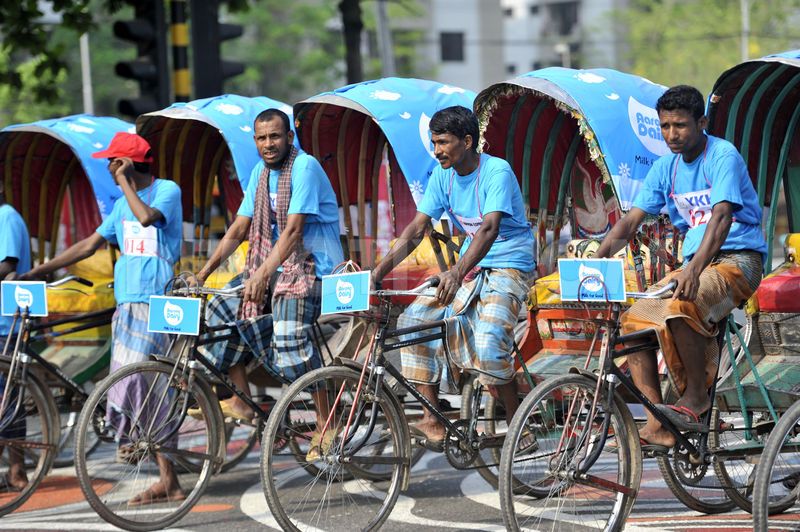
[(180, 51), (210, 71)]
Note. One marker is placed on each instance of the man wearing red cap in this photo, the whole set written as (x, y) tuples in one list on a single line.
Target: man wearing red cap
[(147, 226)]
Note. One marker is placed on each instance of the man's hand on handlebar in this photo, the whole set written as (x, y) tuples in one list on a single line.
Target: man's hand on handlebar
[(449, 283), (688, 283), (254, 288)]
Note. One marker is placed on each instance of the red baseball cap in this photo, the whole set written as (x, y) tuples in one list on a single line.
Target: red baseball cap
[(126, 145)]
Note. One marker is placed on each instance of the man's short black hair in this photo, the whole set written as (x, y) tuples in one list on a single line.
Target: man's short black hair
[(268, 114), (682, 97), (143, 168), (458, 121)]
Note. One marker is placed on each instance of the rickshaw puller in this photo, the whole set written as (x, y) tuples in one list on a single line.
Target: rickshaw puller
[(482, 294), (15, 260), (290, 216), (147, 225), (709, 196)]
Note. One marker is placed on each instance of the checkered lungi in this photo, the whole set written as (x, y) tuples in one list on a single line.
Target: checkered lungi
[(730, 279), (131, 343), (283, 342), (479, 329)]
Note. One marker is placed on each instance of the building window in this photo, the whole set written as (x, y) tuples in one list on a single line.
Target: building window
[(508, 12), (511, 69), (533, 9), (452, 43), (564, 17)]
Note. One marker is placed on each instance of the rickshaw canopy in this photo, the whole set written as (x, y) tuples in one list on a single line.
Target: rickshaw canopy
[(756, 106), (347, 129), (41, 161), (194, 142)]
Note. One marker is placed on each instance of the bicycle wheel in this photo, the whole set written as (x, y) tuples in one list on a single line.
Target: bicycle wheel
[(698, 486), (550, 437), (145, 422), (28, 429), (335, 498), (490, 422), (740, 456), (777, 478)]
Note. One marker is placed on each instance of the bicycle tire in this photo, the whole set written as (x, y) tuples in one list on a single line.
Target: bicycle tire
[(40, 441), (740, 472), (776, 481), (331, 488), (544, 415), (487, 460), (153, 417)]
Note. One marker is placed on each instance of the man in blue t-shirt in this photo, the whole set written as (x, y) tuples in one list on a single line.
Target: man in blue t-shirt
[(147, 226), (481, 296), (290, 217), (708, 194), (15, 260)]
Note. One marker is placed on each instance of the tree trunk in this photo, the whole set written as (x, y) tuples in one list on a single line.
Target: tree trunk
[(352, 27)]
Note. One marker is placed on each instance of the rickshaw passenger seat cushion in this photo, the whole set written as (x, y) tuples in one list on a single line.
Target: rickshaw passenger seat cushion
[(780, 292)]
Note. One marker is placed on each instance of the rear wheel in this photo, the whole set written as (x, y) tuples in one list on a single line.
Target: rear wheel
[(697, 486), (145, 423), (777, 479)]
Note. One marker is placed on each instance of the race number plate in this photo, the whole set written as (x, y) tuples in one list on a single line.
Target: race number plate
[(24, 294), (345, 292), (596, 279), (174, 315)]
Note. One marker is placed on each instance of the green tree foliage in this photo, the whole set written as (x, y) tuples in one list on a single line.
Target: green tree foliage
[(291, 49), (694, 41)]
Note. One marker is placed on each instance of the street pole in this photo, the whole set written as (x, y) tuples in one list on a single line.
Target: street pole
[(86, 75), (385, 39), (745, 6)]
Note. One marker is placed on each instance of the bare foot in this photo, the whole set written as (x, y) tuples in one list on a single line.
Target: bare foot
[(658, 436), (432, 430), (157, 493)]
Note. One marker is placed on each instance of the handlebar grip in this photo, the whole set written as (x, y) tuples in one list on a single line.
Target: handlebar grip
[(84, 282), (433, 282)]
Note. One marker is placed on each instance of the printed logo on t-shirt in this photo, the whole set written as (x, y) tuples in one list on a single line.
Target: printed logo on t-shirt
[(694, 207)]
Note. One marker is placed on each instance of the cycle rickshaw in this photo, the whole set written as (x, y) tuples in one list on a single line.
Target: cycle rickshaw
[(711, 470), (62, 192)]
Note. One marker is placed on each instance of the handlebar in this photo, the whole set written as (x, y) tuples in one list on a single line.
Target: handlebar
[(430, 283), (68, 278), (658, 294), (234, 291)]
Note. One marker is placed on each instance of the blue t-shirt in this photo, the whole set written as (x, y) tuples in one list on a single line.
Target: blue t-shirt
[(492, 187), (691, 190), (312, 195), (148, 254), (15, 243)]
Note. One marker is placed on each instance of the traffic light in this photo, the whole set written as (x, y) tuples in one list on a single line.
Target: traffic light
[(209, 69), (148, 30)]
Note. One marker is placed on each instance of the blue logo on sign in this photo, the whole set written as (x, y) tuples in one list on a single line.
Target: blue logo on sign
[(174, 315), (23, 295), (591, 279), (345, 292)]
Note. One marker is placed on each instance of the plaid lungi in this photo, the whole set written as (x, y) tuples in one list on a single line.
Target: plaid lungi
[(283, 342), (479, 329), (730, 279), (131, 343)]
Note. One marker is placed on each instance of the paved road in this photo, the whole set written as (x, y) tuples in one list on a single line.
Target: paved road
[(439, 498)]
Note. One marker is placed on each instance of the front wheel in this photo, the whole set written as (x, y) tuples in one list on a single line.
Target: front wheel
[(138, 414), (28, 427), (551, 475), (335, 493)]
